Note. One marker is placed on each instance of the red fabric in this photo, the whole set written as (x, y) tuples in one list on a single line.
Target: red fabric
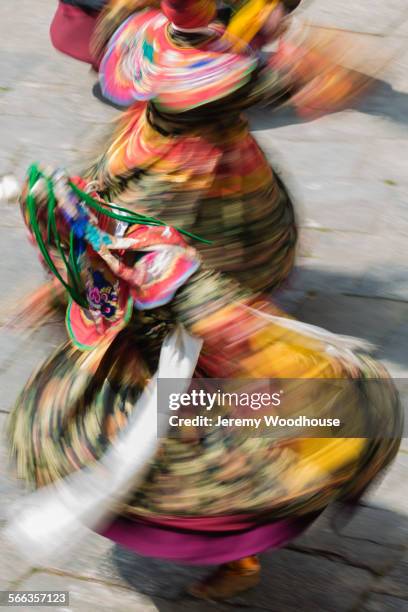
[(71, 32), (189, 13)]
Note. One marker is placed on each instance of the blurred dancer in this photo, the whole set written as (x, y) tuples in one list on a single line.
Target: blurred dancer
[(184, 152)]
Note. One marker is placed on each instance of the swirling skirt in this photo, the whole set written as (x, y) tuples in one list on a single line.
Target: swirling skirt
[(213, 495)]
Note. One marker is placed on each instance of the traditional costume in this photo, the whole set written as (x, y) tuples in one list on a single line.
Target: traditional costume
[(183, 154)]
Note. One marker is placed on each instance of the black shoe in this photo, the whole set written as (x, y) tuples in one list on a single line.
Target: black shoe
[(97, 93)]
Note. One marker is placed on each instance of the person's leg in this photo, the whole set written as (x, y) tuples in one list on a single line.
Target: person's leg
[(229, 579)]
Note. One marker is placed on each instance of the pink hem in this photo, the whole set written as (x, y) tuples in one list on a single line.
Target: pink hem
[(198, 548)]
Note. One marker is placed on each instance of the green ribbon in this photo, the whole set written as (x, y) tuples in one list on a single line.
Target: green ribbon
[(131, 216), (74, 290)]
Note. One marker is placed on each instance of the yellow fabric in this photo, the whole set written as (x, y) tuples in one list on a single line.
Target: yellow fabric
[(247, 22)]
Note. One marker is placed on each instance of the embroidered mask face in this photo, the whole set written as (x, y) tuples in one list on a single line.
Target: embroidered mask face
[(102, 294)]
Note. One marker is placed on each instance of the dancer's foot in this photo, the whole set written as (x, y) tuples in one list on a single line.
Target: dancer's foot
[(229, 580)]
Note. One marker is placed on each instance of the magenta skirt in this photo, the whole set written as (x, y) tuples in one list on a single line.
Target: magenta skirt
[(72, 30), (203, 541)]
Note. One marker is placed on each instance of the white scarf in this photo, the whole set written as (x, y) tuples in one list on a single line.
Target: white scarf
[(47, 524)]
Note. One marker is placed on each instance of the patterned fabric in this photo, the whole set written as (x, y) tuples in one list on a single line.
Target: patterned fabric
[(143, 62), (187, 157), (76, 404), (216, 180), (106, 274)]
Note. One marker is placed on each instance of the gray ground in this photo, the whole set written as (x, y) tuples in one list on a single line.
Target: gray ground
[(349, 173)]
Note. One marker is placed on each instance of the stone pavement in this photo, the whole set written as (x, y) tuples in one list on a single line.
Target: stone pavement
[(349, 173)]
